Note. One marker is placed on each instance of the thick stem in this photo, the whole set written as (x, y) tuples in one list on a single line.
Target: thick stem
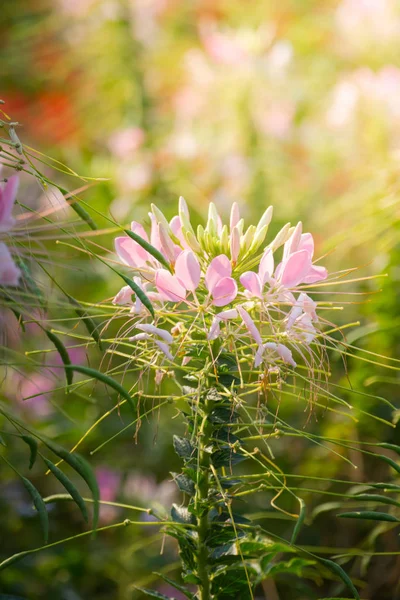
[(202, 520)]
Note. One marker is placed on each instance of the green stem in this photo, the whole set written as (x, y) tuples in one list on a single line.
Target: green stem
[(201, 497)]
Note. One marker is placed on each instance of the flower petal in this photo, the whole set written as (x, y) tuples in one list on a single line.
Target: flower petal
[(169, 286), (224, 292), (124, 296), (251, 326), (295, 269), (316, 274), (252, 283), (234, 244), (7, 199), (285, 354), (219, 268), (162, 333), (9, 272), (266, 267), (130, 252), (235, 215), (187, 270), (165, 349), (307, 243)]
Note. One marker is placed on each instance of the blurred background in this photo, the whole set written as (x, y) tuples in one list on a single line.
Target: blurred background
[(294, 104)]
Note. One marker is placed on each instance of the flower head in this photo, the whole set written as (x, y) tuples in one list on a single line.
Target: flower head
[(222, 284)]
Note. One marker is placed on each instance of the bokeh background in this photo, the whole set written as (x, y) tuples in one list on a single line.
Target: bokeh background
[(294, 104)]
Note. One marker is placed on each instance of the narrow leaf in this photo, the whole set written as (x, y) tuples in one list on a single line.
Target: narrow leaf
[(80, 465), (106, 380), (370, 516), (176, 585), (149, 248), (300, 521), (139, 293), (33, 445), (377, 498), (341, 574), (40, 507), (62, 351), (69, 486)]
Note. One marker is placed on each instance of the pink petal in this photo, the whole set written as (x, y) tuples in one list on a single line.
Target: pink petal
[(235, 215), (219, 268), (7, 199), (251, 326), (130, 252), (307, 243), (165, 349), (9, 272), (316, 274), (154, 233), (285, 354), (167, 246), (235, 244), (162, 333), (224, 292), (295, 269), (215, 329), (176, 228), (292, 244), (169, 286), (187, 270), (266, 267), (252, 283), (294, 314), (139, 230), (124, 296)]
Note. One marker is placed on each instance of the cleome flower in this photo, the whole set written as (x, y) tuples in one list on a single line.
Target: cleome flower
[(223, 285)]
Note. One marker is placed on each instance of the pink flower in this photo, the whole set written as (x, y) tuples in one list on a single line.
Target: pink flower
[(173, 288), (9, 272), (125, 142), (254, 283), (7, 200), (220, 284)]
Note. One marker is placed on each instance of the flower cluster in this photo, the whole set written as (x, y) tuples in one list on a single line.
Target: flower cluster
[(223, 267), (9, 272)]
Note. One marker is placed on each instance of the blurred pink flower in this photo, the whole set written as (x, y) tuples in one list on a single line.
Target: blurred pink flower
[(224, 48), (363, 21), (108, 481), (125, 142), (9, 272)]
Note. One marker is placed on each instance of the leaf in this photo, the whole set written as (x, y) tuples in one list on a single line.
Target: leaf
[(153, 594), (39, 505), (174, 584), (33, 445), (82, 467), (341, 574), (180, 514), (2, 442), (377, 498), (182, 447), (62, 351), (69, 486), (369, 515), (226, 457), (184, 483), (300, 521), (149, 248), (139, 292), (389, 461), (89, 323), (224, 550), (393, 447), (105, 379)]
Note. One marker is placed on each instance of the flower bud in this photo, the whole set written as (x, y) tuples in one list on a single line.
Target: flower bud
[(281, 237), (212, 222), (265, 219)]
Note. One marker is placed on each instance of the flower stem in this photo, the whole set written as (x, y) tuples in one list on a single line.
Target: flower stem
[(201, 502)]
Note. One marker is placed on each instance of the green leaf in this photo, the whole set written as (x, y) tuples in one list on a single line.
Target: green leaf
[(341, 574), (300, 521), (90, 324), (2, 442), (184, 483), (149, 248), (226, 458), (69, 486), (182, 447), (62, 351), (105, 379), (377, 498), (393, 447), (33, 446), (139, 293), (153, 594), (176, 585), (369, 515), (82, 467), (39, 505), (180, 514)]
